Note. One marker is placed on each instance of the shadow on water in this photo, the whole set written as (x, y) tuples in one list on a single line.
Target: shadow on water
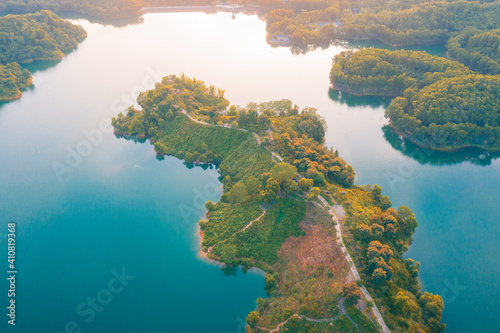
[(436, 50), (159, 157), (423, 155), (116, 22), (38, 66), (69, 15), (355, 100)]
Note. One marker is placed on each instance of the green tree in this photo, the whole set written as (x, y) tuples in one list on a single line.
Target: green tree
[(253, 318), (228, 253), (406, 304), (252, 184), (210, 206), (364, 231), (351, 293), (314, 193), (305, 184), (237, 194), (282, 172)]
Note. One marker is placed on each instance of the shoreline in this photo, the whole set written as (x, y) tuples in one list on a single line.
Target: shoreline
[(409, 138), (20, 94), (450, 150), (204, 9), (359, 94)]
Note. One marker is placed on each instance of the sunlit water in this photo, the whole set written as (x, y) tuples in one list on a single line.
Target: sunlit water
[(118, 207)]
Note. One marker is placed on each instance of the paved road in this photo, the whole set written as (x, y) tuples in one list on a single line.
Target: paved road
[(354, 270)]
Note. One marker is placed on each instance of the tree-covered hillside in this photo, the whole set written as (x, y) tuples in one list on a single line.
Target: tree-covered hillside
[(31, 37), (389, 73), (12, 80), (427, 23), (96, 8), (451, 113), (39, 36), (480, 50)]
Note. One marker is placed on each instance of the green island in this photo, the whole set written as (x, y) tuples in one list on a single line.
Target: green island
[(440, 104), (40, 36), (290, 208)]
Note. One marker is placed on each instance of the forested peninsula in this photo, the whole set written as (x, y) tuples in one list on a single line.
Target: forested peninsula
[(440, 103), (274, 167), (26, 38)]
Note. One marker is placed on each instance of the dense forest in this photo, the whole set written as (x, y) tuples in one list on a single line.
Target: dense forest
[(39, 36), (12, 80), (441, 104), (423, 24), (451, 113), (479, 50), (31, 37), (389, 73), (268, 217), (397, 23)]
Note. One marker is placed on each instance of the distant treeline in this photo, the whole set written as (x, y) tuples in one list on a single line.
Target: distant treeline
[(95, 8)]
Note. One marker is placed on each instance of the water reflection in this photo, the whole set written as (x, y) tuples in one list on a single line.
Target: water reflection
[(422, 155), (116, 22), (354, 100), (436, 50)]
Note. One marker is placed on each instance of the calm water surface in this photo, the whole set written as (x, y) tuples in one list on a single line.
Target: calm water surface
[(118, 207)]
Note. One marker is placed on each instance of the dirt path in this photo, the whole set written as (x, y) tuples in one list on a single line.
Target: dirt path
[(342, 312), (245, 228)]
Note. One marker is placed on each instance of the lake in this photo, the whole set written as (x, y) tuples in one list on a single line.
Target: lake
[(91, 208)]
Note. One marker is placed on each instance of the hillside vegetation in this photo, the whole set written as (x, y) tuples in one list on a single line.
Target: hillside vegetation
[(479, 50), (389, 73), (12, 80), (451, 113), (423, 24), (31, 37), (39, 36)]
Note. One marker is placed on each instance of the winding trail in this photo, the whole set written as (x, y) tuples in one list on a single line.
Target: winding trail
[(342, 312), (245, 228), (336, 209)]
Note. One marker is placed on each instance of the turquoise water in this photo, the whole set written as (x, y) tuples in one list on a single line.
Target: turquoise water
[(120, 208)]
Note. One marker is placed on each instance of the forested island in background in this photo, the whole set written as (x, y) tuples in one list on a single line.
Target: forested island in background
[(273, 167), (26, 38), (440, 103)]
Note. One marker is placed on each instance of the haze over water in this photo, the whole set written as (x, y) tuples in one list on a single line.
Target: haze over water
[(120, 207)]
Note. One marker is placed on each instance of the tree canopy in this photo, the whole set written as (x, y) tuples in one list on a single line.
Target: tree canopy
[(31, 37)]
